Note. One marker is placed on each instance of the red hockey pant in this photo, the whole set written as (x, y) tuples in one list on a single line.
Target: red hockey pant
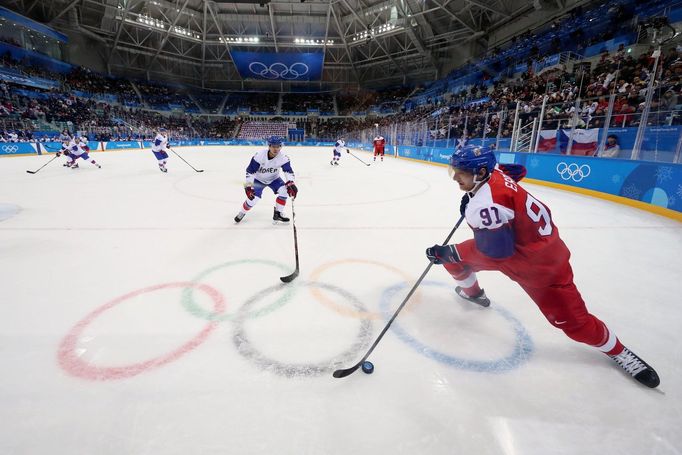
[(549, 283)]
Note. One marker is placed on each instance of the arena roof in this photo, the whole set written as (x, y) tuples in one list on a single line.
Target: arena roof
[(364, 42)]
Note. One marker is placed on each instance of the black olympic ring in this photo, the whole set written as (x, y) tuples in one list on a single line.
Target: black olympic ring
[(246, 349), (279, 70)]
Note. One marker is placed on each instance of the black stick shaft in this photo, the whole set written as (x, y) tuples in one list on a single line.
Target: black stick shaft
[(343, 373), (353, 155), (178, 155), (33, 172), (293, 221), (290, 278)]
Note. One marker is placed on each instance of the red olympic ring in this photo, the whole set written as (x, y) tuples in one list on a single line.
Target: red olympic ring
[(76, 366)]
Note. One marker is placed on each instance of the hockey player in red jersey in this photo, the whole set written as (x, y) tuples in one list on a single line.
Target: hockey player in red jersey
[(379, 144), (514, 234)]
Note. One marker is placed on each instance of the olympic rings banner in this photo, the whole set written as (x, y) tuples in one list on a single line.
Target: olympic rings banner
[(279, 66), (17, 148)]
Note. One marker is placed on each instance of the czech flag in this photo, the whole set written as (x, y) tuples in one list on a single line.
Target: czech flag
[(547, 141), (584, 141)]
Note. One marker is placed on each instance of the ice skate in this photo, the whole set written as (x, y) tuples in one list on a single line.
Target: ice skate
[(277, 216), (74, 166), (637, 368), (162, 168), (479, 299), (240, 216)]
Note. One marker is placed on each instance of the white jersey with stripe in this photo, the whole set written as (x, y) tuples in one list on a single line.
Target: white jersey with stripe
[(266, 170), (340, 146), (160, 143), (76, 148)]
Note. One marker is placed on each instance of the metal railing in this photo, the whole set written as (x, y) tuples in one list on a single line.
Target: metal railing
[(648, 131)]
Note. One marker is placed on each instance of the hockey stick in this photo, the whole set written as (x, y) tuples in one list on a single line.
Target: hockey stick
[(292, 277), (342, 373), (366, 164), (197, 170), (53, 158), (50, 149)]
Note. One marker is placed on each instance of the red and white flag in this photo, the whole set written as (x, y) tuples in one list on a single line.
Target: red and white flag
[(584, 141), (547, 141)]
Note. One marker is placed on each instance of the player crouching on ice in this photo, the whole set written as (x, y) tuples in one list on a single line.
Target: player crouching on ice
[(77, 148), (514, 234), (262, 171)]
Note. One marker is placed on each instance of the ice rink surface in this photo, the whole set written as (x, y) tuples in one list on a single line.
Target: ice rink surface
[(137, 318)]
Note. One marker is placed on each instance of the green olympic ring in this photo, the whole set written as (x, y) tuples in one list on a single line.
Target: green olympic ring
[(196, 310)]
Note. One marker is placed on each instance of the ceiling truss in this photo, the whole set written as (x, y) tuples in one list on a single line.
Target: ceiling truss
[(195, 40)]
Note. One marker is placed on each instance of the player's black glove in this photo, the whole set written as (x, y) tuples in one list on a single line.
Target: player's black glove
[(59, 153), (292, 190), (250, 192), (441, 254)]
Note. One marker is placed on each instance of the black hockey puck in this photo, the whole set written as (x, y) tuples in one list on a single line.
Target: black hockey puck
[(367, 367)]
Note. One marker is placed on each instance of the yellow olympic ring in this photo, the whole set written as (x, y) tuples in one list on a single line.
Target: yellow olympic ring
[(345, 311)]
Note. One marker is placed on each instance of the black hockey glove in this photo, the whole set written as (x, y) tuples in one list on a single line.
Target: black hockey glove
[(250, 192), (441, 254)]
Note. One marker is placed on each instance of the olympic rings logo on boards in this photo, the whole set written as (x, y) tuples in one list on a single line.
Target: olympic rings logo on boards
[(573, 171), (10, 148), (279, 70)]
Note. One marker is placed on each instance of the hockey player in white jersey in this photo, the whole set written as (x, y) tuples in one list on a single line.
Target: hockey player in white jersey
[(78, 148), (160, 148), (263, 171), (338, 148), (65, 139)]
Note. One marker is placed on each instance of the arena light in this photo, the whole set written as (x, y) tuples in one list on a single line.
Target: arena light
[(376, 31), (155, 23), (240, 39), (313, 42)]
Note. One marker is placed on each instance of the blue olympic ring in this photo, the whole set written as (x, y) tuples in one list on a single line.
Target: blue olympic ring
[(522, 349)]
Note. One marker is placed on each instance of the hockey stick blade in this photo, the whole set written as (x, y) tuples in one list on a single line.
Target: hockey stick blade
[(289, 278), (31, 172), (347, 371)]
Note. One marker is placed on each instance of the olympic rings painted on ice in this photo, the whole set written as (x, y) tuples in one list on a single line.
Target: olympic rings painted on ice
[(279, 70), (193, 308), (246, 348), (522, 349), (345, 311), (73, 364)]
